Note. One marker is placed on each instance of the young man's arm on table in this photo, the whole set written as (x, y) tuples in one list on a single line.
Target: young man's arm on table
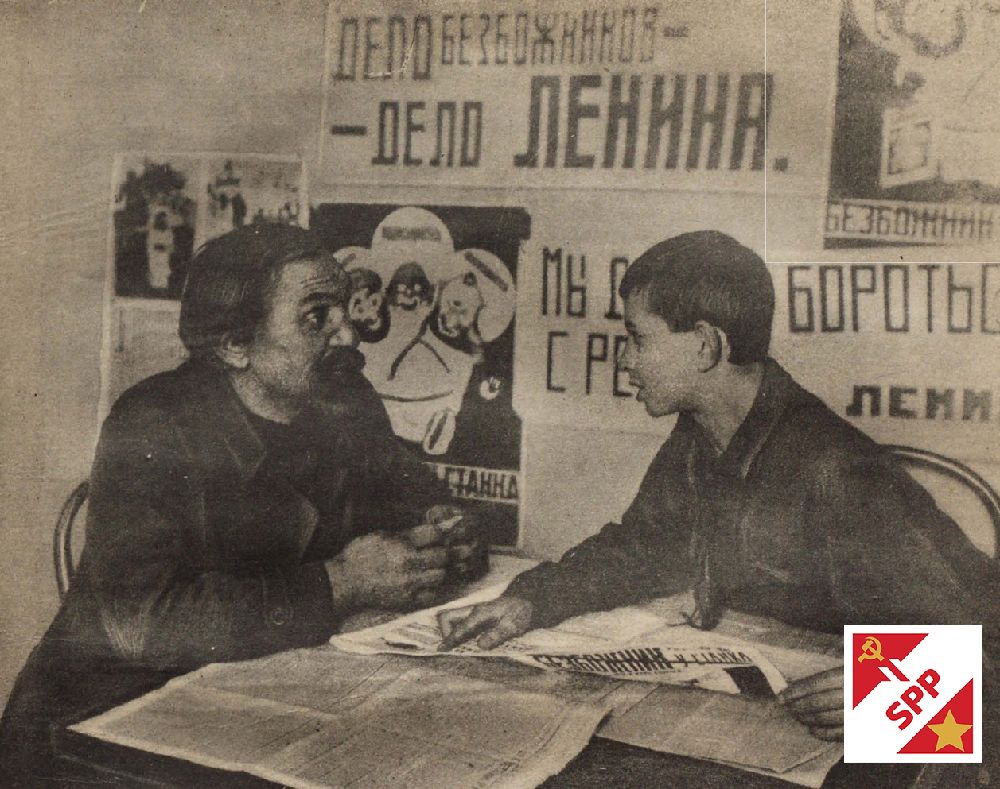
[(644, 556)]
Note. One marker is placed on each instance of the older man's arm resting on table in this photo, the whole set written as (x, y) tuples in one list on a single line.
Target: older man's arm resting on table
[(406, 479), (163, 605), (404, 488)]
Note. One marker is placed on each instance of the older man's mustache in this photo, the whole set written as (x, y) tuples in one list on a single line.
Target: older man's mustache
[(339, 368), (341, 391), (341, 359), (338, 371)]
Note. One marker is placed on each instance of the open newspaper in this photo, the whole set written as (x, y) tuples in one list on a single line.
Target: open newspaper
[(324, 717), (628, 644), (319, 718), (672, 709)]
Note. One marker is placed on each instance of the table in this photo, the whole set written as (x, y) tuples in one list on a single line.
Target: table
[(602, 763)]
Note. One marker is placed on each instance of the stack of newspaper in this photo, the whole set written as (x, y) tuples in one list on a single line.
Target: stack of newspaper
[(382, 707), (707, 695)]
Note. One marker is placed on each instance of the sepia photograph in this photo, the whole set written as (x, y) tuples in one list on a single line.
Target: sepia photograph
[(498, 394), (155, 215), (247, 191)]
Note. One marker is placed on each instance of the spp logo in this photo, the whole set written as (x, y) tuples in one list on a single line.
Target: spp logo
[(913, 694)]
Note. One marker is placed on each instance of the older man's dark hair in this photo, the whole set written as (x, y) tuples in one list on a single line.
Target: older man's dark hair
[(708, 276), (231, 279)]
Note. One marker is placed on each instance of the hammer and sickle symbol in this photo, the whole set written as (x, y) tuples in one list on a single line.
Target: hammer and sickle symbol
[(871, 650)]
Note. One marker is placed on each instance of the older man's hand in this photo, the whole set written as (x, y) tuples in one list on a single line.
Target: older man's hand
[(387, 572), (459, 532)]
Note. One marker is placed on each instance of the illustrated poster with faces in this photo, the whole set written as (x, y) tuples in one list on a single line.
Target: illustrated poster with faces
[(433, 298), (917, 131)]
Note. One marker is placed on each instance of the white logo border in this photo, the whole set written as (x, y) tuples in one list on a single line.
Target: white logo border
[(853, 754)]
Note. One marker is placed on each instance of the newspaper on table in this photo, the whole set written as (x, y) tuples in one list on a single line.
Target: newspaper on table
[(317, 718), (322, 717), (628, 644), (741, 726), (753, 734)]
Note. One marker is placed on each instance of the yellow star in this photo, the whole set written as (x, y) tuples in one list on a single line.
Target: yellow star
[(950, 732)]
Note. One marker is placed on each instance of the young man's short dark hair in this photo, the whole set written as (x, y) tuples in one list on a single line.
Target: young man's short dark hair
[(708, 276), (231, 279)]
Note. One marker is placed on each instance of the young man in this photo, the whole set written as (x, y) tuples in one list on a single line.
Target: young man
[(762, 499), (247, 502)]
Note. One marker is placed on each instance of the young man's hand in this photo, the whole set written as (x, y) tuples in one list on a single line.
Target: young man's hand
[(493, 622), (388, 572), (817, 702)]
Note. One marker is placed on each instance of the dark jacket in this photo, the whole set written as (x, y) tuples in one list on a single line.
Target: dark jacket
[(802, 518), (199, 548)]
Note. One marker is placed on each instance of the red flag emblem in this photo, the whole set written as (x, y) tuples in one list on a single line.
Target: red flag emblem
[(912, 694)]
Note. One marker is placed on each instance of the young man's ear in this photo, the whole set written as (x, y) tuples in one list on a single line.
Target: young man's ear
[(233, 353), (713, 345)]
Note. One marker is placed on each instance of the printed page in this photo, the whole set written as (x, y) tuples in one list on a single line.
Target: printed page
[(319, 718), (744, 732), (628, 643), (759, 735)]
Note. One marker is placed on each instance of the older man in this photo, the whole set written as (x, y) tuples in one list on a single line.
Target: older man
[(247, 502)]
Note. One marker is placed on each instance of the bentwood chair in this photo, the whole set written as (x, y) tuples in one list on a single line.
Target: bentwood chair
[(975, 506), (959, 491), (62, 541)]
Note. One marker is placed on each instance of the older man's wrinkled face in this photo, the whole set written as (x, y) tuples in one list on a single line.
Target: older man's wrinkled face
[(307, 321)]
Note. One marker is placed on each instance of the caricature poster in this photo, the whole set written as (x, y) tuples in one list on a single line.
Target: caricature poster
[(433, 301), (915, 136)]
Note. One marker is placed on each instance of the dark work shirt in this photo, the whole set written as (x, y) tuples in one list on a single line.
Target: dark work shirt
[(292, 459), (802, 518), (206, 537)]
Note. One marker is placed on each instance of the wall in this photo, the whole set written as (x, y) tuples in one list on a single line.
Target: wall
[(82, 81)]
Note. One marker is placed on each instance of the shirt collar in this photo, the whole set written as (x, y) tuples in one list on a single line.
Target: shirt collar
[(219, 413), (776, 391)]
